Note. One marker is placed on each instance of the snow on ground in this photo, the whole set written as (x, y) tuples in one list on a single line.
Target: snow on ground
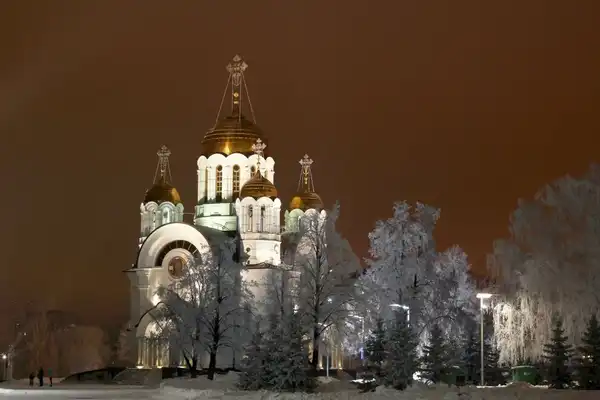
[(223, 388)]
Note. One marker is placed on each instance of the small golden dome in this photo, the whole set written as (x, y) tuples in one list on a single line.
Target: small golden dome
[(232, 134), (161, 192), (258, 186), (306, 200)]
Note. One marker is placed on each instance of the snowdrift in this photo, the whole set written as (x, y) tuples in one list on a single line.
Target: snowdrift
[(223, 388)]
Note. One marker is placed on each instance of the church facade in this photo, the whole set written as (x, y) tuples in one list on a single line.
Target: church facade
[(236, 198)]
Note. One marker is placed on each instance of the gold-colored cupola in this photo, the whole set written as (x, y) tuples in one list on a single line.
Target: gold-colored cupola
[(162, 190), (306, 197), (234, 133)]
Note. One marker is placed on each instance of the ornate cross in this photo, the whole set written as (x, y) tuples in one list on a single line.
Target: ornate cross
[(236, 68), (163, 159), (306, 162), (258, 148)]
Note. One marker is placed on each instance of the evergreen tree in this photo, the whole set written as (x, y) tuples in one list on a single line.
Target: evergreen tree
[(401, 361), (557, 353), (434, 362), (470, 359), (374, 347), (288, 357), (589, 369), (493, 374), (253, 364)]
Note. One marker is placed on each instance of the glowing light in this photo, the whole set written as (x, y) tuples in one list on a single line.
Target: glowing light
[(484, 295)]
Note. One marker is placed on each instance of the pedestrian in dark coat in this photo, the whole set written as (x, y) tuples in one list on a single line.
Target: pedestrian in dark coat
[(41, 376)]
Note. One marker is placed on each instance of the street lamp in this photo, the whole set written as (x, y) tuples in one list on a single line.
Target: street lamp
[(482, 297), (404, 307)]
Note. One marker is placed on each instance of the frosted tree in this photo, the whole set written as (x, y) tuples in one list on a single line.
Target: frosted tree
[(434, 361), (327, 266), (375, 344), (200, 310), (549, 264), (401, 355), (407, 271)]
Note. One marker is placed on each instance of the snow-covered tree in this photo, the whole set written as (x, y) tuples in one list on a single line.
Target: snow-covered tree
[(434, 360), (327, 266), (201, 309), (557, 353), (589, 353), (549, 264), (471, 358), (375, 344), (253, 374), (406, 270), (401, 354)]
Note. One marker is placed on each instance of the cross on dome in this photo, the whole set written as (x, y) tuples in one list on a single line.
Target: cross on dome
[(258, 149), (306, 162), (236, 68), (163, 160)]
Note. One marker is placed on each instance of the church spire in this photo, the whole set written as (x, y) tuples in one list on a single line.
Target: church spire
[(163, 169), (236, 85), (305, 183)]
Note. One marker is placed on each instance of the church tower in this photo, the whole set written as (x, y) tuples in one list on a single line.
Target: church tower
[(228, 159), (162, 204)]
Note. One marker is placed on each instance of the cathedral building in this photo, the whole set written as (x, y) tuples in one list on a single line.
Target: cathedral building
[(236, 198)]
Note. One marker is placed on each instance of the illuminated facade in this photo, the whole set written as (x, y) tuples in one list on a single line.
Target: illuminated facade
[(236, 197)]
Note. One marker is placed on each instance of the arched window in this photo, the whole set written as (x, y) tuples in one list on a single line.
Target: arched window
[(263, 216), (250, 219), (252, 170), (219, 183), (205, 183), (236, 181)]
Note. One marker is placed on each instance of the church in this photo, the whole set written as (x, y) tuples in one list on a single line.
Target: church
[(236, 197)]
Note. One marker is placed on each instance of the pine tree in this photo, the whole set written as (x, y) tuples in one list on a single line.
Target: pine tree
[(434, 362), (470, 359), (374, 347), (589, 369), (557, 353), (493, 375), (401, 356)]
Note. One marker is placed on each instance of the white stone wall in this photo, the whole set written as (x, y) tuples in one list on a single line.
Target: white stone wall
[(153, 215)]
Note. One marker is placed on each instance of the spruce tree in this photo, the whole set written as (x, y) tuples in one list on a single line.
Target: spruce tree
[(288, 357), (589, 368), (374, 347), (253, 364), (557, 354), (434, 361), (470, 359), (401, 355)]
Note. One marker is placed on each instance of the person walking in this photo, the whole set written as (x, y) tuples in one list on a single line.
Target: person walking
[(49, 375), (31, 378), (41, 376)]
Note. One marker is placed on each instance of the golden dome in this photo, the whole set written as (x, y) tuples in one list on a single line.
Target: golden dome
[(160, 192), (232, 134), (258, 186), (306, 200)]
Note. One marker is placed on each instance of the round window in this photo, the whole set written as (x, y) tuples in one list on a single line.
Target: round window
[(176, 266)]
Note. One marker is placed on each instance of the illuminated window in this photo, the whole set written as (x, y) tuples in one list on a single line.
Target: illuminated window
[(219, 183), (236, 181), (252, 170), (250, 220)]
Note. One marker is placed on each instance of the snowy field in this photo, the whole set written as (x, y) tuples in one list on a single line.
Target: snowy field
[(224, 388)]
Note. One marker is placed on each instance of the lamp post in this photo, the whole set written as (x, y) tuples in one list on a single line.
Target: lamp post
[(405, 308), (482, 297)]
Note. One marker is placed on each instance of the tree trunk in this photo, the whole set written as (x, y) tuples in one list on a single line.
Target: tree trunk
[(212, 365), (315, 351)]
